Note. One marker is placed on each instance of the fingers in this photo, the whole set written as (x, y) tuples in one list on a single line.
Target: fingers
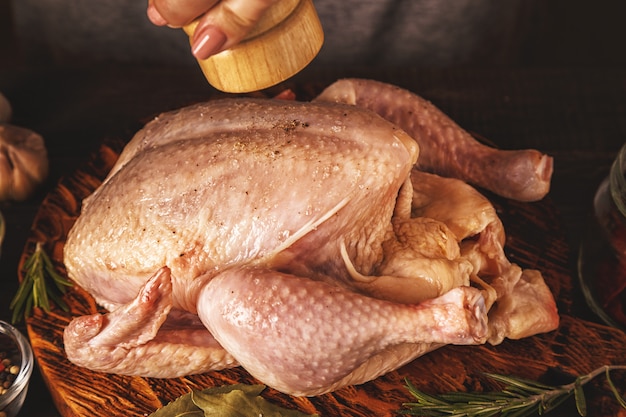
[(221, 25), (154, 16), (226, 24), (177, 13)]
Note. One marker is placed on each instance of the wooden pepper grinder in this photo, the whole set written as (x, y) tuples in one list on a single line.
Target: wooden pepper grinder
[(284, 41)]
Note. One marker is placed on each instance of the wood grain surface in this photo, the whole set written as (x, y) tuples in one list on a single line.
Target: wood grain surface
[(534, 240)]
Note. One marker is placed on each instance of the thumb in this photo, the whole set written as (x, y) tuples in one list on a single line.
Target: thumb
[(226, 24)]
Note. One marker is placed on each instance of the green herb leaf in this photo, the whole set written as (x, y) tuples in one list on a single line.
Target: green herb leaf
[(519, 398), (41, 284), (617, 395), (239, 400), (579, 397)]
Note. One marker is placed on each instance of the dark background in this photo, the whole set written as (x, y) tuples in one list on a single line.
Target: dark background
[(555, 33)]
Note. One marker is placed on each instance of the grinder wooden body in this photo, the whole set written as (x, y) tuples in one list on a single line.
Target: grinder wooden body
[(285, 40)]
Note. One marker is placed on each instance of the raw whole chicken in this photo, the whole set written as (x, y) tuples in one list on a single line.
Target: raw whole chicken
[(302, 241)]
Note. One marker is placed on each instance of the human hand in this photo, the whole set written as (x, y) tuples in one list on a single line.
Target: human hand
[(221, 23)]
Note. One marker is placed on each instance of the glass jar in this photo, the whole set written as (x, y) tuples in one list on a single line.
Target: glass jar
[(602, 257), (18, 352)]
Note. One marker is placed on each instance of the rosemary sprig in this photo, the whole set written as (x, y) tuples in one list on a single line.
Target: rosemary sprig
[(41, 285), (519, 398)]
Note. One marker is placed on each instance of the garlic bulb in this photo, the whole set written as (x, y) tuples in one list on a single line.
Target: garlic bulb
[(23, 162), (5, 109)]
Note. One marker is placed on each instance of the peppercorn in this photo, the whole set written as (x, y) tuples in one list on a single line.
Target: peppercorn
[(9, 368)]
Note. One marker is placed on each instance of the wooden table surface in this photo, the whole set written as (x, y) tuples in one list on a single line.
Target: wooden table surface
[(576, 115)]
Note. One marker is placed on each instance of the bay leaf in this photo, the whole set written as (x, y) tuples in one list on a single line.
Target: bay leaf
[(237, 400), (183, 406), (240, 402)]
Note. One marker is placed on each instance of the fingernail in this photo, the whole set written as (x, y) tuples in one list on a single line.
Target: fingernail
[(155, 17), (207, 41)]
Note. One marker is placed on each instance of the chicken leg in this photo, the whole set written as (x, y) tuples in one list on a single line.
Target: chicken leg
[(445, 148), (306, 337)]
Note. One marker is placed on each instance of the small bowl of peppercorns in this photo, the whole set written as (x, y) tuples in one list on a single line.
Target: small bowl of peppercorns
[(16, 367)]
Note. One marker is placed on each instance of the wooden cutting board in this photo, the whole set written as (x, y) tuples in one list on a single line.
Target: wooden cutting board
[(534, 241)]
